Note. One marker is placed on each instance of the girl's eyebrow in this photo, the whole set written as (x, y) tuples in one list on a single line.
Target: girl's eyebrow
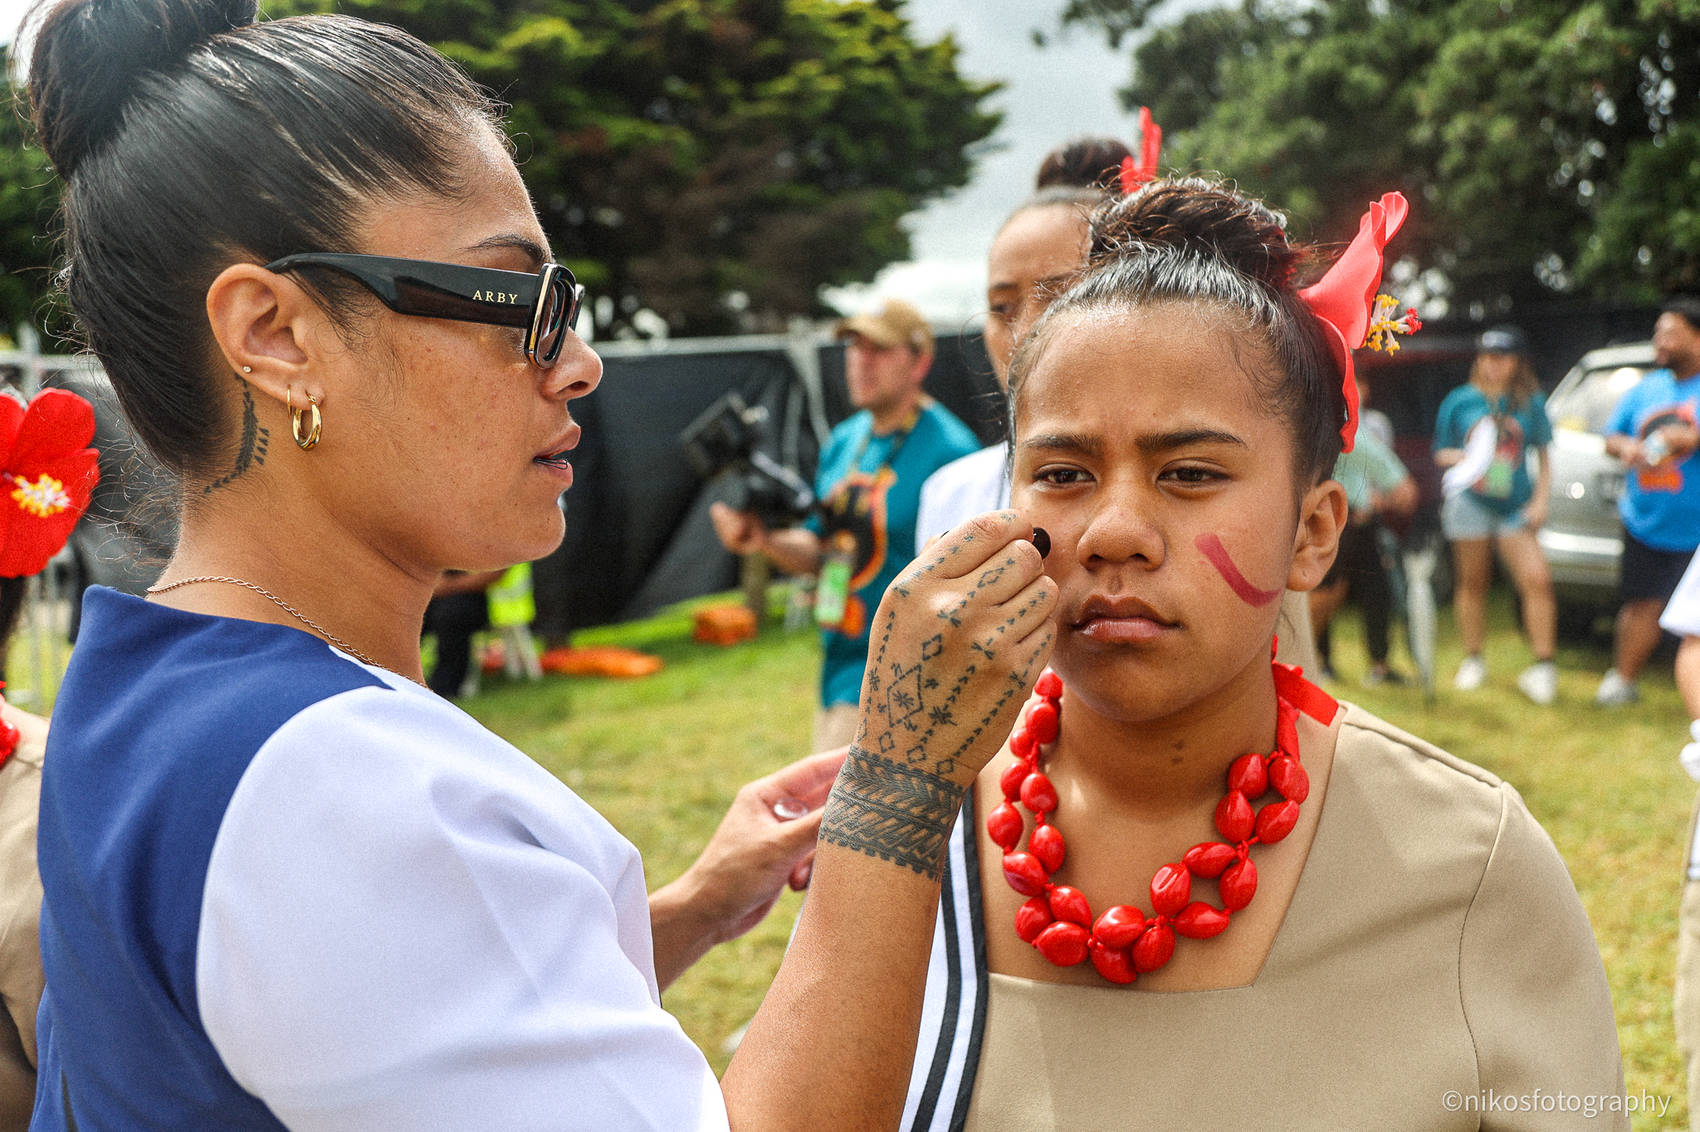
[(1186, 437), (1149, 444), (1065, 442)]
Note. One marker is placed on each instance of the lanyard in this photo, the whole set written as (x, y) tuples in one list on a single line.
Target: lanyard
[(902, 434)]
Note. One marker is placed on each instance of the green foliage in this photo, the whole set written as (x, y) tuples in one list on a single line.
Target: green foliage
[(683, 152), (1547, 146), (29, 196)]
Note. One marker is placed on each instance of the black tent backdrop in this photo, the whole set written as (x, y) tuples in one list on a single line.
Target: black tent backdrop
[(638, 533)]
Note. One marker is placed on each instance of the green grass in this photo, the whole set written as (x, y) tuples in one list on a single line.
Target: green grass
[(662, 756)]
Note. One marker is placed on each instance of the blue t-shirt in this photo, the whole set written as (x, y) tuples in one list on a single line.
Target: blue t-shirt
[(872, 485), (287, 890), (1661, 505), (1505, 487)]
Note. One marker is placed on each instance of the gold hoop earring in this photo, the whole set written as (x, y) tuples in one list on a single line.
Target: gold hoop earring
[(307, 442)]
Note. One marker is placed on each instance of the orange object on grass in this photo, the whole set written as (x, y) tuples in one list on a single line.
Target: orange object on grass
[(723, 624), (599, 660)]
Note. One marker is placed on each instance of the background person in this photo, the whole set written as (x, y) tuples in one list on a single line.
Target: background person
[(459, 608), (1377, 484), (869, 482), (1653, 430), (1682, 617), (286, 886), (1176, 416), (1483, 435)]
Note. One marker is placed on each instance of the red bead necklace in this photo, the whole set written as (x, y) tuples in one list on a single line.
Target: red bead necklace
[(1057, 919)]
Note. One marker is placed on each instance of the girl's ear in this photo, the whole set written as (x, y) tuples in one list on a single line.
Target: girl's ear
[(1322, 516)]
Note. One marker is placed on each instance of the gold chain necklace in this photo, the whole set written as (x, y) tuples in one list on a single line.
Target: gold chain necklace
[(277, 601)]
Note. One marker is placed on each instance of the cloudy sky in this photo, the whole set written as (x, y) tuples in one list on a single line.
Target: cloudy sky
[(1054, 93)]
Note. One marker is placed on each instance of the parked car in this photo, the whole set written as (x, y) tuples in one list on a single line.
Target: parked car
[(1583, 535)]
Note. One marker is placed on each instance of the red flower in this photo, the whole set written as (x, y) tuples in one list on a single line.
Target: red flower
[(1345, 297), (1143, 170), (47, 473)]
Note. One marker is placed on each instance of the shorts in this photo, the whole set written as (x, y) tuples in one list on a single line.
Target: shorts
[(1464, 516), (1650, 574)]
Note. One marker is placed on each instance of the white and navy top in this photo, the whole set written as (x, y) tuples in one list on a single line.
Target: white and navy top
[(288, 890)]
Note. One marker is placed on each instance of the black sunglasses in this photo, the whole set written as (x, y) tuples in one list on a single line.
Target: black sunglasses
[(544, 305)]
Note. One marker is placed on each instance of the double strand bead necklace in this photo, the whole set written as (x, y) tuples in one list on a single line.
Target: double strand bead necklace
[(1123, 941)]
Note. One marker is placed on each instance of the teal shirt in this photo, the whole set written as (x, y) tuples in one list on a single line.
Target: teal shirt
[(886, 474), (1369, 468), (1506, 487)]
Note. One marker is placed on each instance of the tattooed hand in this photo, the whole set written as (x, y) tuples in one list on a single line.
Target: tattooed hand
[(957, 645)]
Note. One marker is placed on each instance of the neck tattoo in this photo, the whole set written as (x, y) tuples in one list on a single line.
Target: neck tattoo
[(1123, 941)]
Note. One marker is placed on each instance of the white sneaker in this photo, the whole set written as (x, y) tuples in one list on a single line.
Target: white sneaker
[(1690, 757), (1471, 674), (1539, 682), (1615, 691)]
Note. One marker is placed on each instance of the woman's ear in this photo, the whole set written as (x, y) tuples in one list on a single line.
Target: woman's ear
[(264, 325), (1322, 516)]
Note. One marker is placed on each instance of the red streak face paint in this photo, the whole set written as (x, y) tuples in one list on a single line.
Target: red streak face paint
[(1211, 547)]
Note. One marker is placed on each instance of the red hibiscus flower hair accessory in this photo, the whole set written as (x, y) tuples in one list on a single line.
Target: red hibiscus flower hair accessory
[(1144, 170), (1345, 300), (47, 473)]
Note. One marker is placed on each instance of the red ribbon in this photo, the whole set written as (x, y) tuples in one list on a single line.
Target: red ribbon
[(1143, 171), (1344, 298)]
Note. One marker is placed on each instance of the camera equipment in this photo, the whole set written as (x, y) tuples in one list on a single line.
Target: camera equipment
[(727, 437)]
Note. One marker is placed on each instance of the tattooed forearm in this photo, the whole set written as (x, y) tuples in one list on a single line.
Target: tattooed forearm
[(893, 812), (251, 447)]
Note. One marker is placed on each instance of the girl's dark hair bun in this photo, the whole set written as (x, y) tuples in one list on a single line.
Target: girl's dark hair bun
[(1193, 214), (91, 56)]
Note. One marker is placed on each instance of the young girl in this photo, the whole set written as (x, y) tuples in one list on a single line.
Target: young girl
[(1347, 926), (1033, 258), (1483, 436)]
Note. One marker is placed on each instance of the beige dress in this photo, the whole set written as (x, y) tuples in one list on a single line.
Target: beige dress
[(1434, 969), (20, 922)]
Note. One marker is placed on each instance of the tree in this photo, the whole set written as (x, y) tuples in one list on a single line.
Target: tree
[(715, 161), (29, 196), (1549, 146)]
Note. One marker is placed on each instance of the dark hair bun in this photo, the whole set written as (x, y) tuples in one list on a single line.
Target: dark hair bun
[(1192, 214), (1084, 163), (91, 55)]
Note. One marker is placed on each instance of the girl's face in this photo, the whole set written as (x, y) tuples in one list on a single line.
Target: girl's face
[(1142, 447), (1034, 253), (447, 423), (1495, 371)]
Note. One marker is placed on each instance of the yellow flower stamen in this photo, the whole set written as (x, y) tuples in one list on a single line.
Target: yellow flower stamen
[(46, 496)]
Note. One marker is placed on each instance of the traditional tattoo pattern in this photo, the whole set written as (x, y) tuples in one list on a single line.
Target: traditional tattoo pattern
[(251, 448), (922, 715), (896, 813)]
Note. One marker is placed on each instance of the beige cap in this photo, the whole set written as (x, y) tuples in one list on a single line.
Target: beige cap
[(895, 323)]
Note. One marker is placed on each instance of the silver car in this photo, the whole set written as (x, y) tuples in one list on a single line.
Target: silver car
[(1583, 536)]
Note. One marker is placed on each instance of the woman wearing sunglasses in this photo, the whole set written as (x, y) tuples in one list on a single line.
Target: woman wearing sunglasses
[(286, 886)]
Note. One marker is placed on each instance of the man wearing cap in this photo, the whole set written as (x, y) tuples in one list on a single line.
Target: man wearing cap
[(869, 481), (1653, 430)]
